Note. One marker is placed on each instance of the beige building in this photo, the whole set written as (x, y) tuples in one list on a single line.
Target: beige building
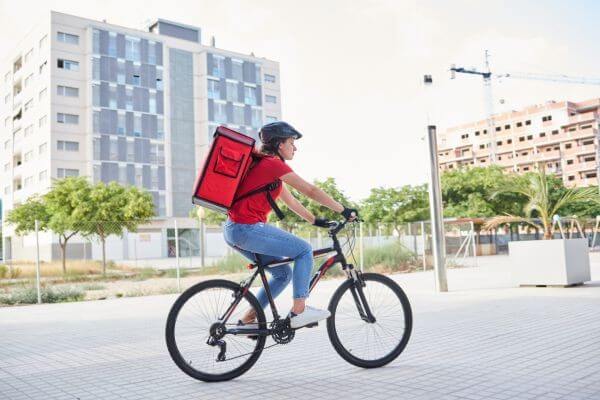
[(80, 97), (561, 136)]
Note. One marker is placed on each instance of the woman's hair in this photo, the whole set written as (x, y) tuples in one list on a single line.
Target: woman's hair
[(271, 147)]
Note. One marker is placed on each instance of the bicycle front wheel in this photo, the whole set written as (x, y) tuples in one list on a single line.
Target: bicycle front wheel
[(192, 331), (357, 339)]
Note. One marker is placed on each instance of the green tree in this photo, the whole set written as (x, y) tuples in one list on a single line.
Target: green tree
[(468, 193), (24, 215), (546, 197), (65, 205), (396, 206), (111, 208)]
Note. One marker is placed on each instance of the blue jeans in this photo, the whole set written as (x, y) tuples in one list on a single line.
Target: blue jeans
[(272, 243)]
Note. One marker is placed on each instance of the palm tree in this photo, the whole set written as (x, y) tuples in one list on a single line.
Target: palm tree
[(537, 191)]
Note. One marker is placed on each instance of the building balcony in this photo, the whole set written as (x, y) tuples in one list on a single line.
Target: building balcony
[(583, 117), (582, 133), (546, 155), (519, 146), (580, 150), (18, 171), (583, 166)]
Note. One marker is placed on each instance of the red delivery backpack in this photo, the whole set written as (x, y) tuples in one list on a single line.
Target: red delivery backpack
[(230, 157)]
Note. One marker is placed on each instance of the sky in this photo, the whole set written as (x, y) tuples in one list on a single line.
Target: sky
[(352, 71)]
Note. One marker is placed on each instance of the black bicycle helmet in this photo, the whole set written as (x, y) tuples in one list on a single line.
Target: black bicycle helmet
[(277, 129)]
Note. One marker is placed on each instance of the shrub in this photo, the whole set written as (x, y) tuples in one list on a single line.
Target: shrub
[(28, 295), (172, 273), (15, 273), (232, 263), (3, 271), (389, 258), (93, 286)]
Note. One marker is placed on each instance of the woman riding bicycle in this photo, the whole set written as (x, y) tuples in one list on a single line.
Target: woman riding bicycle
[(247, 230)]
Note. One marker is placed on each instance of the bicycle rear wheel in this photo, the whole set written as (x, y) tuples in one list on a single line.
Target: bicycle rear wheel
[(363, 343), (192, 321)]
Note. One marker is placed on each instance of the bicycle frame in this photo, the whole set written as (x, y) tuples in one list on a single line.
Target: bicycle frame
[(338, 257)]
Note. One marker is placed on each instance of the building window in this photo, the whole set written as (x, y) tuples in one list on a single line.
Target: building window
[(64, 145), (43, 41), (256, 118), (519, 124), (95, 69), (232, 91), (67, 38), (237, 69), (506, 127), (547, 118), (67, 64), (528, 122), (66, 172), (270, 99), (42, 121), (42, 148), (238, 114), (529, 137), (220, 112), (269, 78), (28, 131), (218, 69), (63, 118), (28, 80), (151, 52), (213, 89), (498, 128), (542, 134), (132, 48), (67, 91), (42, 94), (482, 146), (96, 41), (28, 156), (250, 95), (499, 143), (28, 105), (112, 44), (43, 175), (571, 177), (28, 181), (43, 67), (270, 118), (568, 146)]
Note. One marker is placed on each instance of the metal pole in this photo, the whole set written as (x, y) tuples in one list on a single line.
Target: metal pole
[(202, 243), (361, 246), (177, 255), (37, 262), (474, 244), (435, 207), (424, 237)]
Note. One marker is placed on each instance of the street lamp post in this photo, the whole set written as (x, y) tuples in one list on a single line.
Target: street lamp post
[(435, 205)]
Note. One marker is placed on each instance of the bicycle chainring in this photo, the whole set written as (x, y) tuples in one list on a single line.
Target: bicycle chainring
[(281, 332)]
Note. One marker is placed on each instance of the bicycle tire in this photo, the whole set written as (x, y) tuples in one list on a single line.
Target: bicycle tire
[(171, 341), (334, 337)]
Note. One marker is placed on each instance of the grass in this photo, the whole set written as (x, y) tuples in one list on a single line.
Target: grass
[(393, 257), (54, 268), (231, 264), (28, 295)]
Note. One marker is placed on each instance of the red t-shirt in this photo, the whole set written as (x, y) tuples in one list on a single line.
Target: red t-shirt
[(256, 208)]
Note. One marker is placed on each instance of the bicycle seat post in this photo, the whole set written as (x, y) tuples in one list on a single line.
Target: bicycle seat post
[(265, 282)]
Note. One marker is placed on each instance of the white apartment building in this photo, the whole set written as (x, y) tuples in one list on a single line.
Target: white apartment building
[(80, 97)]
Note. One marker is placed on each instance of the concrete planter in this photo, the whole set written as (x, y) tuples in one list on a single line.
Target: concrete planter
[(558, 262)]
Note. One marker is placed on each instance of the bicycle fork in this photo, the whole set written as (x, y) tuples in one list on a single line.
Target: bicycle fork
[(358, 294)]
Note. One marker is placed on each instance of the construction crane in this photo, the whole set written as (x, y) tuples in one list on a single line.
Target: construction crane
[(487, 84)]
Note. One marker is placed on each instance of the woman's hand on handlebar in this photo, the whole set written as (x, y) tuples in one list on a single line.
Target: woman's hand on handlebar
[(350, 214), (322, 223)]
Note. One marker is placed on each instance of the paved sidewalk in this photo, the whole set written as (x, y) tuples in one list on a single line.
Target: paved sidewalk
[(483, 340)]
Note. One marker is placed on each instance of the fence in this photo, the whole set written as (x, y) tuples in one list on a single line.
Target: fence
[(175, 246)]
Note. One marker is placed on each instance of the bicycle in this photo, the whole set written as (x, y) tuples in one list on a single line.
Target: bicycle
[(362, 307)]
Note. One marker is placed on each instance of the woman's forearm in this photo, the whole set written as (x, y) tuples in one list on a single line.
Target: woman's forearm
[(323, 198)]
